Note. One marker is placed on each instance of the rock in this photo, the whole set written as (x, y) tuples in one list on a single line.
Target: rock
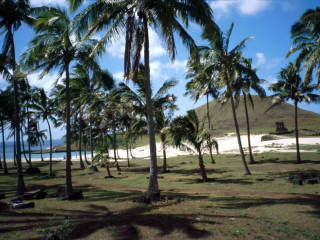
[(41, 195), (51, 236), (3, 205), (2, 196), (311, 181), (33, 170), (297, 181), (22, 205), (17, 200)]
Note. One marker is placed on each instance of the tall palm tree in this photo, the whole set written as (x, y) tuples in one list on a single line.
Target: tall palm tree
[(12, 14), (188, 130), (246, 81), (225, 64), (44, 108), (305, 35), (37, 136), (291, 87), (4, 97), (201, 84), (135, 17), (54, 48)]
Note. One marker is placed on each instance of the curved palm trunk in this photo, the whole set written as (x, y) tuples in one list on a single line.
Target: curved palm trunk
[(248, 128), (85, 154), (80, 142), (202, 167), (115, 144), (5, 168), (21, 186), (91, 140), (296, 130), (23, 149), (130, 148), (29, 143), (69, 190), (127, 153), (245, 166), (14, 149), (209, 127), (41, 151), (153, 188), (164, 165), (50, 160)]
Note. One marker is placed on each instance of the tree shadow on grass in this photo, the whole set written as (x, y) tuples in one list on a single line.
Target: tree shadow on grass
[(246, 202), (124, 224), (285, 161)]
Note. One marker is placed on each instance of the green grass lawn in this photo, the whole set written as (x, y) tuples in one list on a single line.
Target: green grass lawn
[(264, 205)]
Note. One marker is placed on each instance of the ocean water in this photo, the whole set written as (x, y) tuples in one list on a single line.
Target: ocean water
[(45, 145)]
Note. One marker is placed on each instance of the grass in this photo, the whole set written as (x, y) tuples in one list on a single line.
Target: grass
[(264, 205)]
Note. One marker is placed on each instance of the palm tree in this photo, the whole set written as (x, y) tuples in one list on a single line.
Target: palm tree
[(37, 136), (12, 14), (247, 80), (291, 87), (53, 48), (135, 17), (199, 85), (44, 108), (224, 65), (190, 130), (4, 96), (305, 36)]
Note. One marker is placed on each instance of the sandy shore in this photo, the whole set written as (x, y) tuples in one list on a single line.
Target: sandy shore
[(227, 145)]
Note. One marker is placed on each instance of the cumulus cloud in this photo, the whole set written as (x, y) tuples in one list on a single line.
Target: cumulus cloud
[(39, 3), (244, 7), (262, 61), (118, 75), (47, 82), (116, 49), (177, 65)]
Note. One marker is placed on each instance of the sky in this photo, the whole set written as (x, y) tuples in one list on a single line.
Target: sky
[(267, 21)]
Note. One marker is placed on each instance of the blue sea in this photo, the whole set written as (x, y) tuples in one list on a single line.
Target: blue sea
[(45, 145)]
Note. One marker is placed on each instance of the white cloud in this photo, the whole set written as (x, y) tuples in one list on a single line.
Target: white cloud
[(261, 59), (263, 62), (116, 49), (39, 3), (156, 68), (118, 76), (244, 7), (269, 80), (177, 65), (47, 82)]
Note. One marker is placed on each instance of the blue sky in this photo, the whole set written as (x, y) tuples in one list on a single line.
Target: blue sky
[(268, 21)]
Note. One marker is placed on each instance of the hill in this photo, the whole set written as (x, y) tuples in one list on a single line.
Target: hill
[(222, 118)]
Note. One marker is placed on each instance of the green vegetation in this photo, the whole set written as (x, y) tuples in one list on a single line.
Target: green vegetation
[(232, 206)]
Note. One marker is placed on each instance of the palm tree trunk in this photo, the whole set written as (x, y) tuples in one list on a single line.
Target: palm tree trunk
[(127, 153), (69, 190), (23, 149), (248, 128), (91, 140), (14, 148), (85, 154), (41, 150), (130, 148), (80, 142), (164, 166), (202, 167), (153, 188), (108, 169), (50, 160), (296, 130), (209, 127), (21, 186), (246, 169), (5, 168), (115, 144), (29, 142)]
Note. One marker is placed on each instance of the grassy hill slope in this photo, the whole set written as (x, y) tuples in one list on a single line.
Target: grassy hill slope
[(222, 119)]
